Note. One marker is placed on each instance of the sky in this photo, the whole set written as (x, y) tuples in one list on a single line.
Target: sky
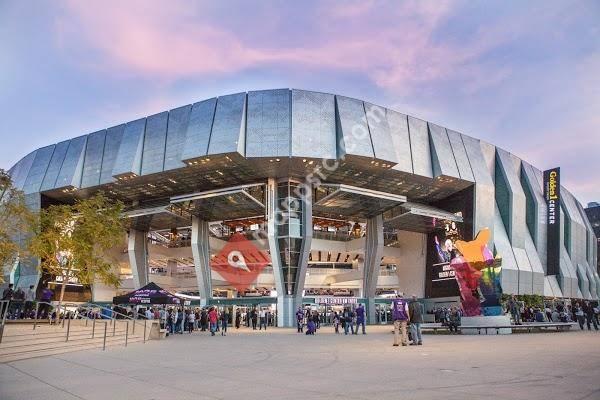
[(523, 75)]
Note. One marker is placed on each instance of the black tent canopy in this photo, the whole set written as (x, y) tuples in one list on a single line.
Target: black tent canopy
[(149, 294)]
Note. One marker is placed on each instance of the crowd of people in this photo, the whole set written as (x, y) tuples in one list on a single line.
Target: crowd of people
[(177, 320), (348, 320), (582, 312), (21, 304)]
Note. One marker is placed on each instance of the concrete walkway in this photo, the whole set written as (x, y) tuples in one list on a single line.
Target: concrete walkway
[(281, 364)]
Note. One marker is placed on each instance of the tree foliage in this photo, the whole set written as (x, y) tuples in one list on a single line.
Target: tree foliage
[(73, 239), (16, 221)]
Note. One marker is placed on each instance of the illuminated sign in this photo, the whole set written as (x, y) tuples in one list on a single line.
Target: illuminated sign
[(552, 196)]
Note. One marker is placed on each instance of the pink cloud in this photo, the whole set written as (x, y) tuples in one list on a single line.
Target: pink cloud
[(168, 41)]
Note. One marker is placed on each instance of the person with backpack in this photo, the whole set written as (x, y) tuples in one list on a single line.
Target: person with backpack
[(212, 319), (360, 318), (348, 318), (224, 321), (416, 311)]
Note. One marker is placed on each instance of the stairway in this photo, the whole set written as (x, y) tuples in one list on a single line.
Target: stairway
[(20, 341)]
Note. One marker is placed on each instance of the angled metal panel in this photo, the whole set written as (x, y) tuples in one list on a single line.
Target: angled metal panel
[(92, 165), (398, 124), (179, 119), (114, 136), (353, 132), (228, 129), (198, 131), (460, 155), (441, 152), (537, 269), (58, 156), (153, 155), (381, 134), (38, 169), (516, 197), (20, 171), (129, 157), (313, 125), (419, 147), (268, 129), (72, 166), (510, 268)]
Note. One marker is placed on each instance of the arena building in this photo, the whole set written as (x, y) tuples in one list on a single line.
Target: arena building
[(344, 200)]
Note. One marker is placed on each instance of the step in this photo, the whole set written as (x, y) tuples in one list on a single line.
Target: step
[(56, 351), (56, 338), (34, 345)]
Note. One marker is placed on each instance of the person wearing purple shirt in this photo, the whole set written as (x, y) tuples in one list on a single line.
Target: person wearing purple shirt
[(300, 319), (360, 319), (401, 318)]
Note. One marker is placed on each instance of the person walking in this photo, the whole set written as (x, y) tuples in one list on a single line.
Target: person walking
[(224, 321), (454, 320), (191, 318), (336, 322), (400, 315), (29, 301), (212, 319), (238, 319), (254, 317), (580, 315), (360, 318), (203, 320), (415, 313), (263, 319), (348, 317), (514, 309), (590, 316), (173, 321), (300, 319)]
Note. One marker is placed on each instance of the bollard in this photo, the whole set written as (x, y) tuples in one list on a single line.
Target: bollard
[(37, 309), (126, 333), (68, 329), (86, 320), (133, 330), (104, 344), (114, 324), (93, 327), (144, 331)]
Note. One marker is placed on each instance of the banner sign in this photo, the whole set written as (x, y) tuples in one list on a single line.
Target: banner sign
[(552, 196), (336, 300), (443, 272)]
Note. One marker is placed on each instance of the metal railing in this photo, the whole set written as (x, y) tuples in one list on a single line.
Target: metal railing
[(64, 316)]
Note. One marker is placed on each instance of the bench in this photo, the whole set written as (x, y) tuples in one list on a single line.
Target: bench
[(529, 327), (539, 326)]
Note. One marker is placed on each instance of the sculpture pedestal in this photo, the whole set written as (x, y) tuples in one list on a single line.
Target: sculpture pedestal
[(483, 321)]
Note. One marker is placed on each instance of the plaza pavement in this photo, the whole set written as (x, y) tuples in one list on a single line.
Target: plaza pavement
[(281, 364)]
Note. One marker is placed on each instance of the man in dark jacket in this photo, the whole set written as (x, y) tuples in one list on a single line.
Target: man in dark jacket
[(415, 311), (360, 318), (590, 316)]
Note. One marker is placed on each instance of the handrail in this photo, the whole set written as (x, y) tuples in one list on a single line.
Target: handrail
[(4, 304)]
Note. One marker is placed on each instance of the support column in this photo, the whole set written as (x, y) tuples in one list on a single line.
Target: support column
[(371, 267), (289, 214), (137, 249), (201, 253)]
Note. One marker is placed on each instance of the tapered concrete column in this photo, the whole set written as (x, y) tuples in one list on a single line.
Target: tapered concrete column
[(289, 224), (201, 253), (137, 249), (371, 267)]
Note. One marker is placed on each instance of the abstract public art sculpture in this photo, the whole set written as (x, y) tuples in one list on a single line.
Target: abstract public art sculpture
[(478, 276)]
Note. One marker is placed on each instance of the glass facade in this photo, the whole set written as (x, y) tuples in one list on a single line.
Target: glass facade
[(227, 132), (92, 165), (38, 169), (313, 125), (353, 129), (154, 143), (129, 157), (198, 131), (268, 129), (112, 143), (290, 232), (179, 119), (58, 156), (72, 166)]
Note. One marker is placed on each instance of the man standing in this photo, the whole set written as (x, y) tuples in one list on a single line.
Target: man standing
[(348, 317), (513, 307), (263, 319), (254, 317), (360, 318), (212, 318), (400, 316), (415, 311)]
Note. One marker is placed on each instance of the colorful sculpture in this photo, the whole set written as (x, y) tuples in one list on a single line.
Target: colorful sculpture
[(478, 275)]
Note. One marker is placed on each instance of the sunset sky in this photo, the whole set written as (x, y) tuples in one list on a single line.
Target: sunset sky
[(524, 75)]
